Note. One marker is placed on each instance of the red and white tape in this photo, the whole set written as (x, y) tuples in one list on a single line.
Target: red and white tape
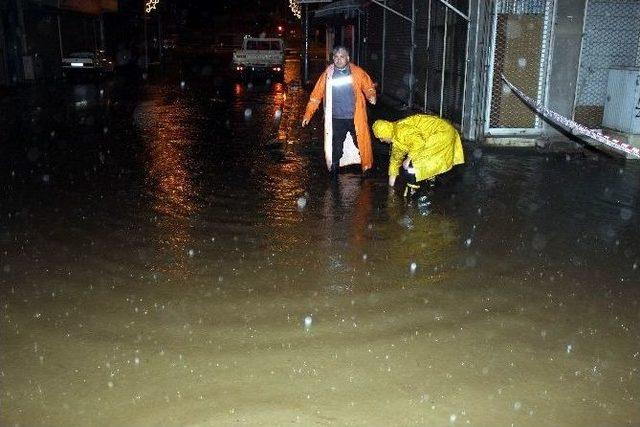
[(575, 128)]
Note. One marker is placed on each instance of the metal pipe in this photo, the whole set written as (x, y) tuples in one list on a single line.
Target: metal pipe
[(412, 52), (448, 5), (160, 41), (146, 43), (392, 10), (306, 43), (426, 71), (102, 39), (60, 37), (489, 79), (359, 38), (444, 58), (464, 76), (384, 42)]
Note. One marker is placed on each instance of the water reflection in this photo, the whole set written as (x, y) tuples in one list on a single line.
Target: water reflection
[(167, 130), (421, 240)]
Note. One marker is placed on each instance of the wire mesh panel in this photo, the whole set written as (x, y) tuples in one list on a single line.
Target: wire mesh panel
[(483, 58), (421, 53), (454, 63), (397, 73), (434, 57), (372, 46), (520, 47), (611, 39)]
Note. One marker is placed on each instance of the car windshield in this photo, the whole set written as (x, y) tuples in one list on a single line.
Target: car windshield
[(263, 45), (82, 54)]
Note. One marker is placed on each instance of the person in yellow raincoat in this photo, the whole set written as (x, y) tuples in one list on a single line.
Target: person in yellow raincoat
[(346, 88), (422, 146)]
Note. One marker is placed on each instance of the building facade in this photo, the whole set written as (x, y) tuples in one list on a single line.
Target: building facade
[(448, 57)]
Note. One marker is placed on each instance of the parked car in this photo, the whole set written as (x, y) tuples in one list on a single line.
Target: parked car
[(259, 57), (87, 62)]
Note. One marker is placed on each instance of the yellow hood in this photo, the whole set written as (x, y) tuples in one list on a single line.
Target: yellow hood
[(383, 129)]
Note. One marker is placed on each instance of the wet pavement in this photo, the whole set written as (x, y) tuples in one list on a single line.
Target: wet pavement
[(173, 253)]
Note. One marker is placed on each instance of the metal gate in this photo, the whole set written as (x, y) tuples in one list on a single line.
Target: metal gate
[(417, 51), (519, 50)]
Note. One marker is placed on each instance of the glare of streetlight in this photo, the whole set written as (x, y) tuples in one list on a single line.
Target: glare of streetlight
[(151, 5)]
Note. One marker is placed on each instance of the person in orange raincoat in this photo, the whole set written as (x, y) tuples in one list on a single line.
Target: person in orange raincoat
[(345, 88)]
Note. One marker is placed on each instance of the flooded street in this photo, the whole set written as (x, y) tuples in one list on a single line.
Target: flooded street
[(173, 252)]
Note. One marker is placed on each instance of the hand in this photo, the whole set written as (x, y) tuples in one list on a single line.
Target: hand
[(372, 100), (392, 181), (305, 122)]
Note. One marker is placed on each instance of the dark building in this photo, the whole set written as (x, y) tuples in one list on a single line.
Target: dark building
[(36, 34)]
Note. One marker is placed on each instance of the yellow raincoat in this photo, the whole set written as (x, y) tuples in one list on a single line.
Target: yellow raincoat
[(431, 143)]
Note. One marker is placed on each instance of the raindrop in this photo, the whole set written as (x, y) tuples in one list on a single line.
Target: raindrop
[(182, 84), (105, 130), (307, 322), (413, 267), (101, 92), (626, 214), (278, 114), (45, 178), (477, 153), (517, 406), (539, 242), (136, 360), (522, 62), (144, 76), (53, 133), (110, 384), (467, 242), (364, 257), (452, 418), (301, 202), (191, 253), (470, 261), (249, 85), (248, 113), (569, 348)]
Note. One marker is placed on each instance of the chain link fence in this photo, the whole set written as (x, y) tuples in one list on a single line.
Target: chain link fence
[(611, 39), (520, 51)]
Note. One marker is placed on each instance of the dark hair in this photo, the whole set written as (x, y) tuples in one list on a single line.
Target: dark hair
[(338, 48)]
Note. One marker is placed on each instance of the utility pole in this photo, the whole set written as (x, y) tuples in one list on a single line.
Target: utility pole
[(148, 7), (306, 43)]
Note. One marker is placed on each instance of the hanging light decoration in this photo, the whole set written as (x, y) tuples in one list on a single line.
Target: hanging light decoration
[(151, 5), (295, 8)]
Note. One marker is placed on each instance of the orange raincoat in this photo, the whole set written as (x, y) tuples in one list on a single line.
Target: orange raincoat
[(363, 89)]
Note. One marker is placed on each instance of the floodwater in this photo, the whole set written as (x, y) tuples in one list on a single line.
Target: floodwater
[(173, 253)]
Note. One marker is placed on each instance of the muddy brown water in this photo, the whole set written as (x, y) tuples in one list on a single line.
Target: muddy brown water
[(176, 255)]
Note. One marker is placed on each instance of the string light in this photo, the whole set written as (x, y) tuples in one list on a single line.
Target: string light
[(151, 5), (295, 8)]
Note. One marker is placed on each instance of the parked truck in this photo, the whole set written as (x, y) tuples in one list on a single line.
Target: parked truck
[(259, 58)]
